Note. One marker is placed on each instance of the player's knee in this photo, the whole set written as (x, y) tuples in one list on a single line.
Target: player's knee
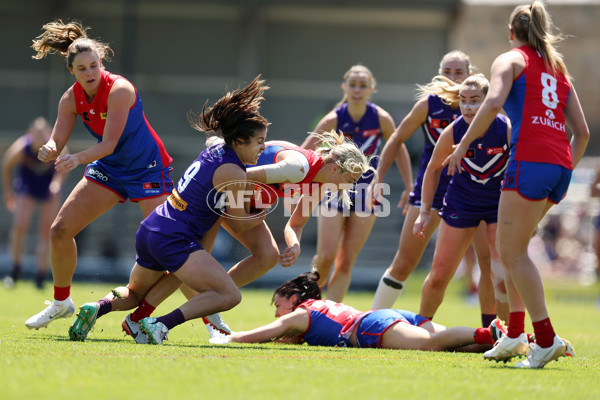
[(59, 231), (269, 257), (230, 298), (324, 258)]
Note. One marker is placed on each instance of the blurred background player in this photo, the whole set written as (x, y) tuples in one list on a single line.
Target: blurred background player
[(129, 160), (595, 192), (342, 236), (35, 183)]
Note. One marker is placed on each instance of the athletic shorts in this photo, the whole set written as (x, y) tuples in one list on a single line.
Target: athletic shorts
[(414, 198), (537, 181), (162, 253), (372, 327), (153, 183), (358, 196), (456, 220), (37, 191)]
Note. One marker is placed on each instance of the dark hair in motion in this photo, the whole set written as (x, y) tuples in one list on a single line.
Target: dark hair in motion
[(235, 116), (68, 40), (304, 286)]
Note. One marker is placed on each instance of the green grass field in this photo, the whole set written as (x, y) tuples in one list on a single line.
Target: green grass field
[(44, 364)]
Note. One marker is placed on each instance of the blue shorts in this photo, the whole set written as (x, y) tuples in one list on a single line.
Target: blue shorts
[(537, 181), (153, 183), (159, 252), (372, 327)]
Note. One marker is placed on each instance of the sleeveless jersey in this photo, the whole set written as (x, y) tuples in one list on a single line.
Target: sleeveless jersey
[(269, 193), (366, 133), (439, 116), (327, 320), (477, 188), (139, 147), (535, 106), (33, 176), (195, 205)]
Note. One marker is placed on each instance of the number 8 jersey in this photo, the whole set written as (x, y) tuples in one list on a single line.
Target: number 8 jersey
[(535, 106)]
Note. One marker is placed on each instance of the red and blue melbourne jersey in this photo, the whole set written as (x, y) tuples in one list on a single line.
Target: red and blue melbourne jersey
[(270, 192), (34, 176), (138, 148), (195, 204), (327, 319), (477, 188), (535, 106)]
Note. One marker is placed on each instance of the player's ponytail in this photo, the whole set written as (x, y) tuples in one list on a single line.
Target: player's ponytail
[(68, 40), (235, 116), (533, 25), (304, 286), (335, 148)]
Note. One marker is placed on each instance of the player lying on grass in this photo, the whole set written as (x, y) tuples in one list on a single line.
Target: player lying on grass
[(304, 317)]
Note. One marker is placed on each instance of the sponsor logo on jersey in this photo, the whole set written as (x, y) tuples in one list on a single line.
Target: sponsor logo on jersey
[(103, 115), (370, 132), (494, 150), (439, 123), (176, 201), (151, 185), (94, 173), (549, 122)]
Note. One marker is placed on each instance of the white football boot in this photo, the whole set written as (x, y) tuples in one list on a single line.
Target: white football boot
[(55, 310)]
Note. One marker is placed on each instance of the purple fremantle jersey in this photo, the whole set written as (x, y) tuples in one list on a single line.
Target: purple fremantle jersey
[(476, 190), (439, 116), (366, 133), (34, 176), (195, 204)]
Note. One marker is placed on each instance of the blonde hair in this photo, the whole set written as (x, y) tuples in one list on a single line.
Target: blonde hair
[(68, 40), (439, 86), (451, 94), (533, 25), (357, 69), (335, 148), (460, 56)]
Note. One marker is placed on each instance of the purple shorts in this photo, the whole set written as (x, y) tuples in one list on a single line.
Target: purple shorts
[(537, 181), (160, 252), (372, 327), (149, 185), (456, 220)]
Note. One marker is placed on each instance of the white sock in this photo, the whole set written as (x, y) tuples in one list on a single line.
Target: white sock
[(387, 291)]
